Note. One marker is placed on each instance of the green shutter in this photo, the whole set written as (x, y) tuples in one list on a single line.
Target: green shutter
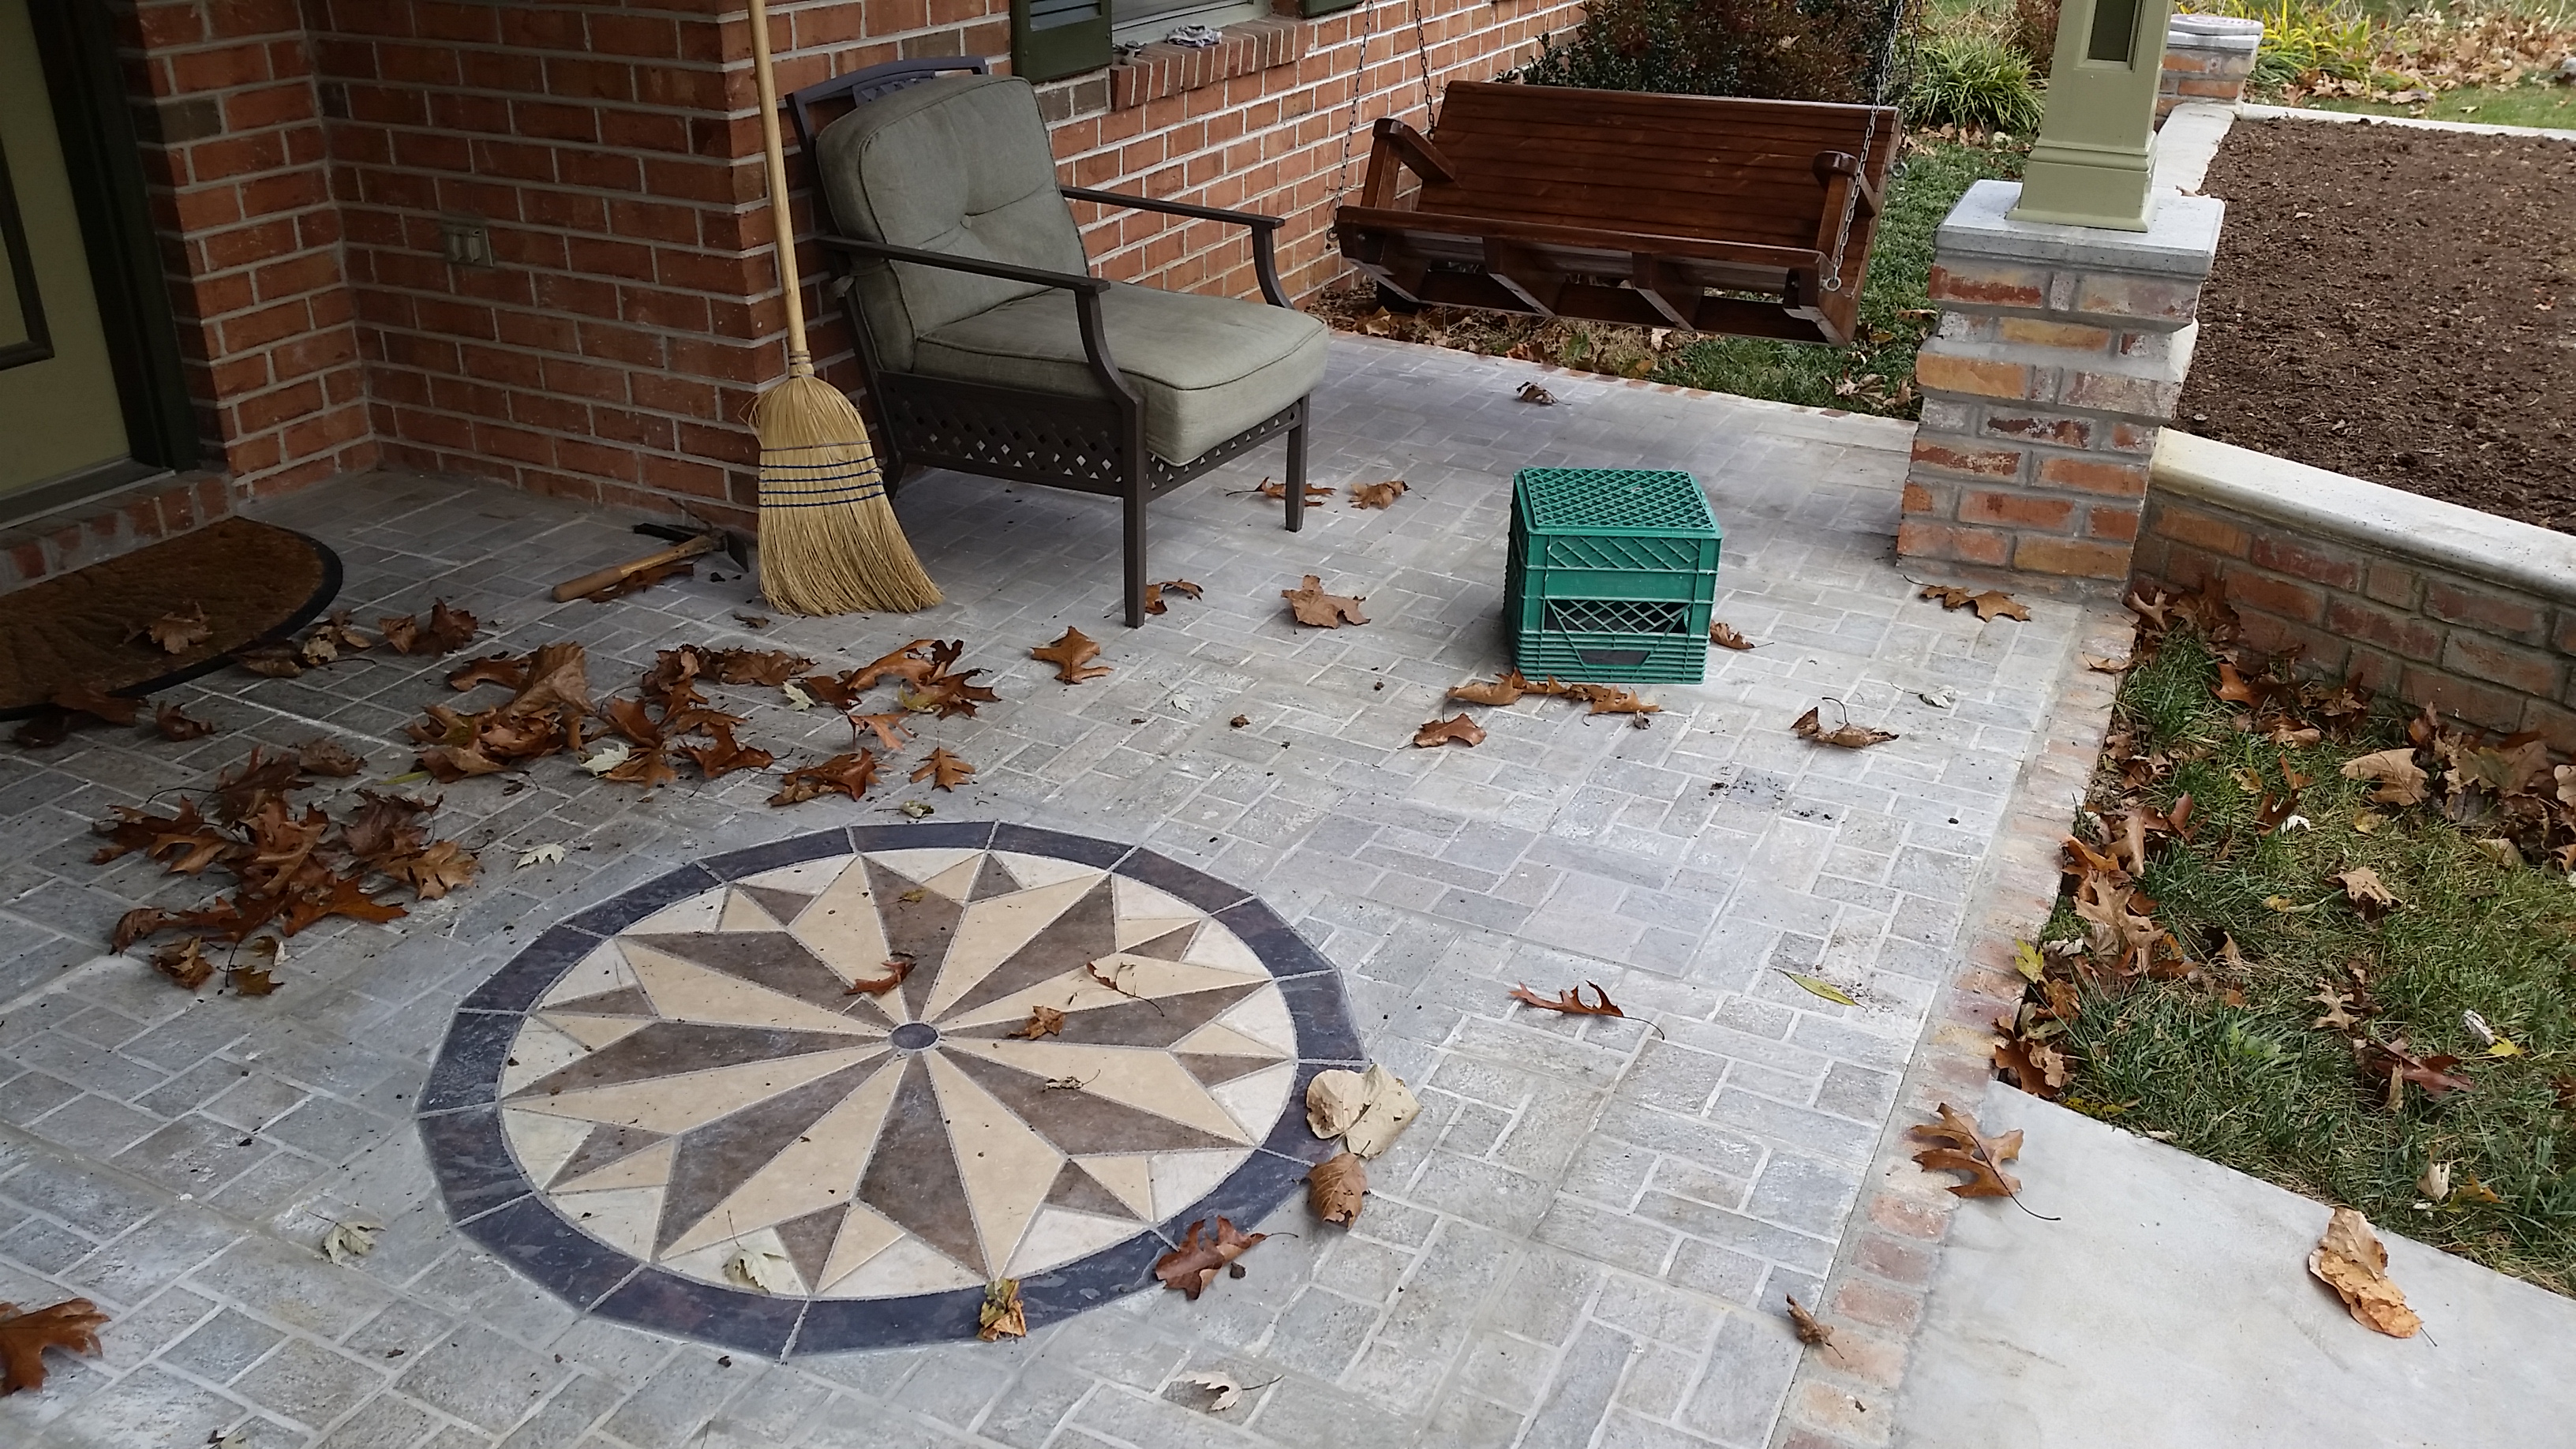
[(1051, 39), (1312, 8)]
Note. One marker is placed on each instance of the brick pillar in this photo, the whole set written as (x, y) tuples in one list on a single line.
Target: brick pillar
[(2207, 58), (2059, 356)]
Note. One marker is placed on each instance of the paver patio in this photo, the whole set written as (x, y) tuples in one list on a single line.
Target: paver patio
[(1584, 1239)]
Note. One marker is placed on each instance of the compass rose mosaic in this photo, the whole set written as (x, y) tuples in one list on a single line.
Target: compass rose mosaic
[(1090, 1047)]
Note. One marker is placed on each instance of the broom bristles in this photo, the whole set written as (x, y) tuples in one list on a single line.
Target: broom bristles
[(829, 540)]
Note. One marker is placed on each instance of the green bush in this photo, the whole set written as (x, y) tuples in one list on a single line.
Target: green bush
[(1974, 82), (1792, 50)]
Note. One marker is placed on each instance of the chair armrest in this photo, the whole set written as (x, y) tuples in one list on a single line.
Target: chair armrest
[(1007, 271), (1265, 263)]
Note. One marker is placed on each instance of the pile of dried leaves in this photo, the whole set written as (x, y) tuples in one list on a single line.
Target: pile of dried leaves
[(291, 865)]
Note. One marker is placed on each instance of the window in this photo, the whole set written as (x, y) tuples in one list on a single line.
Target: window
[(1139, 22)]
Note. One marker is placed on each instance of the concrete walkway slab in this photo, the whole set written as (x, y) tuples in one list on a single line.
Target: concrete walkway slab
[(2172, 1305)]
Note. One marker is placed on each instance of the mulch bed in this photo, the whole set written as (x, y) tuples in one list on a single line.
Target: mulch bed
[(2398, 305)]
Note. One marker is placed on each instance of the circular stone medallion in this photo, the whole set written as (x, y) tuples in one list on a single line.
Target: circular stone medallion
[(814, 1095)]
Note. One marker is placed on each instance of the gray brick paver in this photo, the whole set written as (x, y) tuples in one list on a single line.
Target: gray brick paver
[(1579, 1188)]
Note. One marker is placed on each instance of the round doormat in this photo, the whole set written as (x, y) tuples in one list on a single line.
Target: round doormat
[(254, 581), (694, 1084)]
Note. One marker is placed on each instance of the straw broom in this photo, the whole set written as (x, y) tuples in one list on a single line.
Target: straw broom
[(829, 540)]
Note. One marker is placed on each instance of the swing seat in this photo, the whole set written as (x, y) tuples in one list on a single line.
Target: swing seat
[(1709, 213)]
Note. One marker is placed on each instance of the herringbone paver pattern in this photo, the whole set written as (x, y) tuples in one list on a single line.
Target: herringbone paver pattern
[(1584, 1239)]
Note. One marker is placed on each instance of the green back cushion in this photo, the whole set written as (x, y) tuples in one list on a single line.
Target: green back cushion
[(960, 165)]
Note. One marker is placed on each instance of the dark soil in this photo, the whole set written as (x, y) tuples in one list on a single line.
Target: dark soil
[(2398, 305)]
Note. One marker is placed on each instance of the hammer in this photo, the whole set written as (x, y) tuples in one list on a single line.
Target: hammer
[(688, 544)]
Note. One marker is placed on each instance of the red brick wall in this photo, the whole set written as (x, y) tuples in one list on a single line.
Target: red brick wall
[(309, 152)]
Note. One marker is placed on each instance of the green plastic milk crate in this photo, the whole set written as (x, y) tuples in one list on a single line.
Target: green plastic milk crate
[(1613, 575)]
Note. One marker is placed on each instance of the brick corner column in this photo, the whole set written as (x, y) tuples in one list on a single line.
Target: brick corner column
[(2207, 58), (2059, 357)]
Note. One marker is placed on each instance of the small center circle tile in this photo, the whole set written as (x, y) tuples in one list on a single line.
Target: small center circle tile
[(873, 1080)]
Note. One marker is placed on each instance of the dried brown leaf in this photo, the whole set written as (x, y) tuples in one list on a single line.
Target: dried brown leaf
[(1458, 730), (1960, 1146), (1377, 495), (1846, 735), (1723, 635), (1193, 1265), (1337, 1187), (850, 774), (1312, 606), (184, 962), (2352, 1261), (1571, 1002), (1990, 604), (1001, 1315), (71, 1325), (442, 867), (943, 769), (1043, 1021), (2399, 779), (178, 631), (1072, 656), (328, 757), (447, 631), (1811, 1330)]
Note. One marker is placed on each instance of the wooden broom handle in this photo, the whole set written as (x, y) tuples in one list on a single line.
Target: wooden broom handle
[(800, 362)]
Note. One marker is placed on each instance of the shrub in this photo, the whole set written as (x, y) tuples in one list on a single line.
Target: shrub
[(1795, 50), (1974, 82), (2033, 32)]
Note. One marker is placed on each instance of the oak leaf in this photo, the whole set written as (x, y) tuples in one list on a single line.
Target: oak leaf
[(1459, 730), (1571, 1002), (1336, 1187), (2370, 896), (178, 631), (1377, 495), (850, 774), (1989, 605), (240, 791), (1001, 1315), (770, 667), (1846, 735), (1154, 594), (272, 660), (71, 1325), (1504, 688), (1193, 1265), (175, 723), (1611, 699), (726, 754), (943, 769), (2399, 779), (381, 831), (339, 896), (447, 631), (1959, 1146), (1072, 656), (443, 867), (328, 758), (1043, 1021), (907, 664), (1312, 606), (557, 678), (1723, 635), (2352, 1261), (889, 729), (184, 961)]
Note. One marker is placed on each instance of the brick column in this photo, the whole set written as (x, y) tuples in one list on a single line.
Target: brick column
[(2059, 356), (2207, 58)]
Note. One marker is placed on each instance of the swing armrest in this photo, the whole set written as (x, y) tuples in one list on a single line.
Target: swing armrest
[(1831, 164), (1416, 149)]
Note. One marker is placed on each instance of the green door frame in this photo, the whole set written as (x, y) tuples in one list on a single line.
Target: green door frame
[(78, 42)]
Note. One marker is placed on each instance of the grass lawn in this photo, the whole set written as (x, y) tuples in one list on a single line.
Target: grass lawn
[(2536, 104), (1895, 313), (2230, 1062)]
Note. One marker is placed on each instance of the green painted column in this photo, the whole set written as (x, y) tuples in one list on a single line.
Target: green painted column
[(2095, 157)]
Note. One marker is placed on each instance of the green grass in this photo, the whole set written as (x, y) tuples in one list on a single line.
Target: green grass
[(2537, 104), (2256, 1086), (1933, 178)]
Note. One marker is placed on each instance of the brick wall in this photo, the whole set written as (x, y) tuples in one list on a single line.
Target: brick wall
[(305, 155), (2423, 600)]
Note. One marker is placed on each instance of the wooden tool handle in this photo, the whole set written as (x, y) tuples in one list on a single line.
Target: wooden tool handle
[(800, 363), (597, 579)]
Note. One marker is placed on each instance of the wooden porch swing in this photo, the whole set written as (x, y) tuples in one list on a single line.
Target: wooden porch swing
[(1709, 213)]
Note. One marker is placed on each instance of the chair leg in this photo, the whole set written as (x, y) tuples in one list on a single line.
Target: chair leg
[(1135, 558), (1297, 476)]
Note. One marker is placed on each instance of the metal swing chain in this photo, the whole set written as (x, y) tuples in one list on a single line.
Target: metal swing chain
[(1368, 36), (1422, 59), (1868, 141)]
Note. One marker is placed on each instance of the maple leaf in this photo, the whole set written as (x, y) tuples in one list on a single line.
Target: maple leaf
[(726, 754), (1959, 1146), (1311, 605), (1505, 688), (1571, 1002), (1810, 1329), (1724, 636), (943, 769), (1846, 735), (1043, 1021), (178, 631), (182, 841), (2371, 898), (2334, 1001), (71, 1325), (889, 729), (1193, 1265), (1377, 495), (1336, 1187), (850, 774), (184, 962), (557, 677), (1001, 1315), (1610, 699), (1315, 492), (907, 664), (771, 667), (329, 758), (1458, 730), (92, 699), (447, 631), (443, 867), (343, 895), (1072, 656), (1989, 605), (240, 791), (1154, 594), (2352, 1261)]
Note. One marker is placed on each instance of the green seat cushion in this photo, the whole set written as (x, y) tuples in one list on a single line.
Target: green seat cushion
[(1207, 367), (958, 164)]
